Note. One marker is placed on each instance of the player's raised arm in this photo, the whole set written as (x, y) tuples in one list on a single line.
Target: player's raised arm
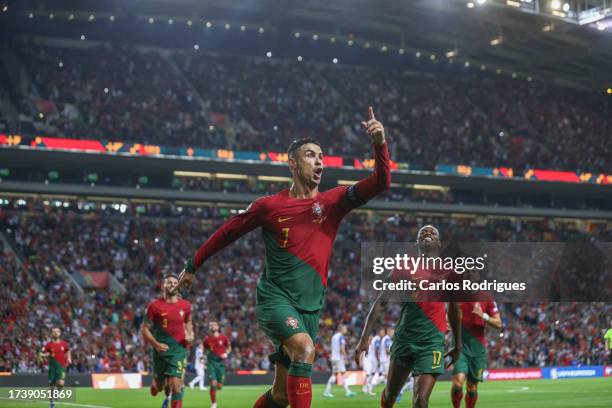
[(490, 317), (380, 180), (189, 334), (454, 319), (230, 231)]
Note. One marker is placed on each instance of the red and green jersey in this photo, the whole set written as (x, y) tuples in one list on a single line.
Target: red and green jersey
[(298, 236), (423, 315), (58, 352), (215, 346), (168, 321), (473, 326)]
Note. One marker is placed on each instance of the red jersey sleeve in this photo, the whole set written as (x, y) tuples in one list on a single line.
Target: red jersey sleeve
[(150, 315), (230, 231), (47, 348), (364, 190), (492, 309), (187, 311)]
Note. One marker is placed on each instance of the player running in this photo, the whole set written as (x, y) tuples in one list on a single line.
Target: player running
[(217, 348), (372, 362), (385, 350), (473, 359), (418, 345), (299, 226), (169, 329), (199, 366), (58, 352), (338, 356)]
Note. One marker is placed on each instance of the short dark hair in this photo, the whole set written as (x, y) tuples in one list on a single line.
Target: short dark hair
[(297, 143)]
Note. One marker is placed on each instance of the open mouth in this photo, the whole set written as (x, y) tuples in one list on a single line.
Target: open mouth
[(317, 173)]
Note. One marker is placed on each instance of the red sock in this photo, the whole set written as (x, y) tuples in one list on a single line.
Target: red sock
[(299, 391), (470, 399), (213, 394), (383, 401), (176, 404), (456, 396), (261, 402)]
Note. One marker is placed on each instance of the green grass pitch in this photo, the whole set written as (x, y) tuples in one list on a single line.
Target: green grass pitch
[(579, 393)]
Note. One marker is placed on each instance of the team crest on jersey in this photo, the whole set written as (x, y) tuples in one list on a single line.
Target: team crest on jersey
[(318, 210), (292, 322), (181, 312)]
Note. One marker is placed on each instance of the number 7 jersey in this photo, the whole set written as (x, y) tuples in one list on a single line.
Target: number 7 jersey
[(298, 235)]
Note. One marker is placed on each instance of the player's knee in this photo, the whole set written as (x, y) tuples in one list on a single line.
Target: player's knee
[(472, 387), (304, 352), (60, 384), (458, 381), (420, 400)]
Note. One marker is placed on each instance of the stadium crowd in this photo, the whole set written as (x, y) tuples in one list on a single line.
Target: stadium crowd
[(474, 117), (139, 244)]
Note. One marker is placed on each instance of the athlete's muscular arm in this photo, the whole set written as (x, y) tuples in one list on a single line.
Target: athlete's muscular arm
[(380, 180), (454, 318), (373, 316), (229, 232), (145, 331), (69, 357), (189, 335), (493, 319)]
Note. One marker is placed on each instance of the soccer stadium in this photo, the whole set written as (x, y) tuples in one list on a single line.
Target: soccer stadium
[(232, 204)]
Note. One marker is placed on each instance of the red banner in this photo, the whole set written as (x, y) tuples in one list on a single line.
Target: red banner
[(97, 280), (608, 371), (513, 374)]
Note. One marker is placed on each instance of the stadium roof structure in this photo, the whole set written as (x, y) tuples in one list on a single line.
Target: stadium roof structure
[(533, 38)]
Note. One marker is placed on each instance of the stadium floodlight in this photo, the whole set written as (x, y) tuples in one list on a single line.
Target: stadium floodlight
[(483, 67), (467, 64), (105, 90), (31, 15), (401, 51), (112, 18), (555, 4), (91, 17), (333, 39), (196, 47), (71, 17), (261, 30), (269, 54), (82, 37), (227, 26), (496, 41), (514, 75), (350, 42), (5, 9), (481, 1), (315, 37), (242, 28), (432, 57), (451, 54), (61, 64), (151, 20), (189, 23), (566, 7), (299, 58), (208, 24), (383, 48), (297, 35), (51, 16), (366, 45), (170, 21), (418, 54), (335, 60)]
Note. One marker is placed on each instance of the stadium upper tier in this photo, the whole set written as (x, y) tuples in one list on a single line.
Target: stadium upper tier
[(247, 103)]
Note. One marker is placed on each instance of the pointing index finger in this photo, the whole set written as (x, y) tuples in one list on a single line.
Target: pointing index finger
[(371, 113)]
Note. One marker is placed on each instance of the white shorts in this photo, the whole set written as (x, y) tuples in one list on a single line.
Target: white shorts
[(384, 367), (338, 366), (199, 369), (370, 366)]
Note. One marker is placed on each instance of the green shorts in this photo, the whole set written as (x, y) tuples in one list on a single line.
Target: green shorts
[(420, 359), (171, 363), (216, 370), (280, 321), (473, 366), (56, 373)]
